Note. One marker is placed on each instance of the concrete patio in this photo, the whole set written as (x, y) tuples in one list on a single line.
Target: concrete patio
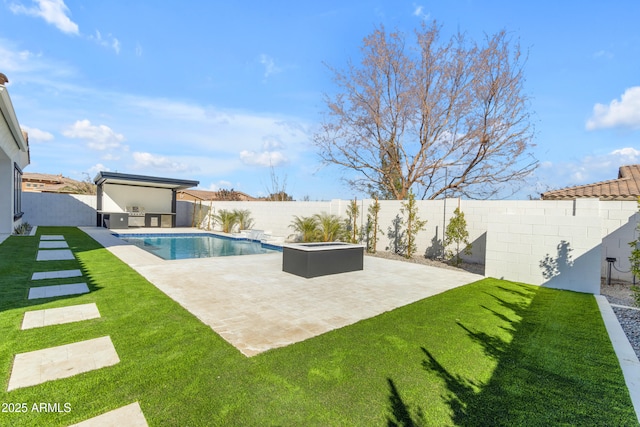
[(255, 306)]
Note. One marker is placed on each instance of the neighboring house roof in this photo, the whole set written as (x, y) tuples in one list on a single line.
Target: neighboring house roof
[(206, 195), (47, 182), (625, 187)]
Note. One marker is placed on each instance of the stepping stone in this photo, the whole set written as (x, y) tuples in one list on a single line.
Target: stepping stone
[(52, 237), (58, 290), (130, 415), (37, 367), (58, 316), (54, 255), (60, 274), (53, 244)]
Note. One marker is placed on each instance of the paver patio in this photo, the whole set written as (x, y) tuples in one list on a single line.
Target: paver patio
[(130, 416), (255, 306), (60, 315), (64, 361), (58, 290)]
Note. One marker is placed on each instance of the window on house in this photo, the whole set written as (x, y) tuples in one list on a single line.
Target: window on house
[(17, 192)]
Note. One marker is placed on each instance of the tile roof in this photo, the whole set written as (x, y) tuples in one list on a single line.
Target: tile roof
[(215, 195), (625, 187)]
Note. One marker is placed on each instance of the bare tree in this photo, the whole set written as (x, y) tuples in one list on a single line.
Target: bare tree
[(404, 115), (277, 191)]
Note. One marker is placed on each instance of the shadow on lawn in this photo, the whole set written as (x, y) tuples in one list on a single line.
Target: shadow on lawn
[(531, 384), (400, 412)]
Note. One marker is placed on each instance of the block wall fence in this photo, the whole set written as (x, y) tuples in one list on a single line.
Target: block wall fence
[(560, 244)]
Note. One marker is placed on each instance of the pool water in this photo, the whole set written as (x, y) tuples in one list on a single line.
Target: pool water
[(197, 246)]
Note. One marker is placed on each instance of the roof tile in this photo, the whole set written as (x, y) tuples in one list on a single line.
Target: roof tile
[(625, 187)]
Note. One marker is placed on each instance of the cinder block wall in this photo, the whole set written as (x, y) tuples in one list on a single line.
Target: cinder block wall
[(561, 252), (59, 209), (615, 222)]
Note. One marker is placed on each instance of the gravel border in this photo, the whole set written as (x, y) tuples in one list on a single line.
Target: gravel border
[(620, 297), (618, 294)]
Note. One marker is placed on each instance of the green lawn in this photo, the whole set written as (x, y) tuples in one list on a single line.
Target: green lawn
[(489, 353)]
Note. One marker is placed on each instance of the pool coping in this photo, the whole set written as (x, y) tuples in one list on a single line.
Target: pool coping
[(193, 232)]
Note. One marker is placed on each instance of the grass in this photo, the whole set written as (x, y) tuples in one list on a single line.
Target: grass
[(489, 353)]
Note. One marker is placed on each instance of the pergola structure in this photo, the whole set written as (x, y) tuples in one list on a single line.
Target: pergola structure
[(126, 200)]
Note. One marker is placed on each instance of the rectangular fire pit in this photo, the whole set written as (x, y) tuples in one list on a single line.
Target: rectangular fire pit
[(320, 259)]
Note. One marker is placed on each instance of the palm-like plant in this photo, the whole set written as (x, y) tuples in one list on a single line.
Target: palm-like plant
[(306, 226), (243, 217), (329, 227), (226, 219)]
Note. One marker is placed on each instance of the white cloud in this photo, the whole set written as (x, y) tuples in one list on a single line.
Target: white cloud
[(420, 13), (627, 155), (152, 161), (37, 135), (25, 65), (264, 158), (271, 154), (97, 137), (215, 186), (603, 54), (109, 41), (270, 66), (54, 12), (589, 169), (138, 49), (111, 156), (623, 113), (98, 167)]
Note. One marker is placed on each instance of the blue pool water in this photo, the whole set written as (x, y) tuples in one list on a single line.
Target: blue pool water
[(185, 246)]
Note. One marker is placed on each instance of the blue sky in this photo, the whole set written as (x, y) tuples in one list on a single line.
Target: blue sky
[(218, 91)]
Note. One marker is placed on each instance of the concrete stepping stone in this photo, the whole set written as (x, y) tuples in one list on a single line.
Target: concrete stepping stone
[(58, 316), (54, 255), (58, 290), (130, 415), (37, 367), (52, 237), (53, 244), (60, 274)]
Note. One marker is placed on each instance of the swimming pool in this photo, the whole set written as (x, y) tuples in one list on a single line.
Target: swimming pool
[(183, 246)]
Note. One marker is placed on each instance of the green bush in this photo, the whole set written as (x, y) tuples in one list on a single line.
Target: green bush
[(413, 225), (457, 234), (306, 226)]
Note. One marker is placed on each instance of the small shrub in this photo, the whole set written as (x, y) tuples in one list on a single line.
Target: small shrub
[(352, 221), (243, 218), (306, 227), (636, 294), (227, 220), (634, 259), (23, 229), (329, 227), (372, 226), (413, 225), (456, 233)]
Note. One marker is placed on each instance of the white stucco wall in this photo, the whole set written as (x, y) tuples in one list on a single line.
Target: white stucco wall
[(116, 198), (13, 150)]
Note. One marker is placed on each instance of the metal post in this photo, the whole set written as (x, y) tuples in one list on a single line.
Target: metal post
[(444, 210), (610, 260)]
